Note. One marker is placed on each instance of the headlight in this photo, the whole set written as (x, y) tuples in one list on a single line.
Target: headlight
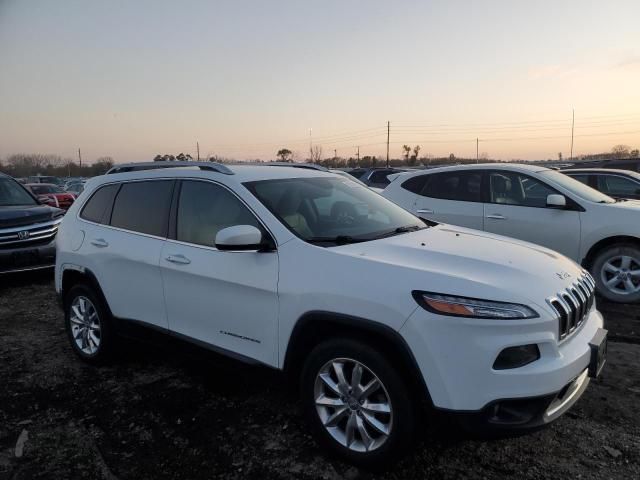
[(472, 307)]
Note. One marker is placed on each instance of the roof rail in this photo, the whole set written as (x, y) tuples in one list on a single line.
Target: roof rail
[(308, 166), (136, 167)]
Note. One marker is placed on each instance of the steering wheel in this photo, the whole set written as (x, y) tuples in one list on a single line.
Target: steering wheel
[(343, 213)]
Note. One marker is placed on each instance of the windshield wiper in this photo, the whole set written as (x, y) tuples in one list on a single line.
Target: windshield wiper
[(399, 230), (338, 240)]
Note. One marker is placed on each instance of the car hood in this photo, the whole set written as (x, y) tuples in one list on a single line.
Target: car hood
[(472, 263), (18, 216)]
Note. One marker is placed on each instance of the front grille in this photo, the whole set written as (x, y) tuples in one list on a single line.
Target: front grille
[(573, 304), (28, 235)]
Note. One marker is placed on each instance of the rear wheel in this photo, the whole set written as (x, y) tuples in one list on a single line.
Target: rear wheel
[(88, 324), (616, 270), (358, 405)]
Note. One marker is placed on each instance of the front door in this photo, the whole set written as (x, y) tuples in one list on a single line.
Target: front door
[(222, 298), (517, 207)]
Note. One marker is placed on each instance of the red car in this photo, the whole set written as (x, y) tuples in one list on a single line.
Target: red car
[(52, 195)]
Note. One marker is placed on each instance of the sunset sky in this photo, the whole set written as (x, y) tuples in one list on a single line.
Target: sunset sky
[(245, 78)]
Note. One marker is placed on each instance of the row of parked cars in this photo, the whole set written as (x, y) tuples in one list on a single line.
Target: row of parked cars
[(378, 305)]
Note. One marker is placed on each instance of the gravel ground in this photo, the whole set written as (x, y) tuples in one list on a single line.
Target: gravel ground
[(170, 411)]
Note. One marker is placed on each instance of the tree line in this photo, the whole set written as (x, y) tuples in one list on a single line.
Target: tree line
[(29, 164)]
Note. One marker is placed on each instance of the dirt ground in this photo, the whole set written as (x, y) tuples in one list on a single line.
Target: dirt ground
[(168, 411)]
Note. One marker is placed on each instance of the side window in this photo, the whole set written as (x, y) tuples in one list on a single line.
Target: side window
[(581, 177), (143, 207), (204, 209), (380, 176), (415, 184), (614, 185), (99, 205), (462, 186), (516, 189)]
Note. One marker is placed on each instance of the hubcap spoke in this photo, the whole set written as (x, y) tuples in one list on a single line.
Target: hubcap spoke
[(625, 262), (342, 381), (328, 401), (371, 387), (356, 376), (364, 435), (376, 407), (333, 420), (375, 423), (610, 268), (351, 428)]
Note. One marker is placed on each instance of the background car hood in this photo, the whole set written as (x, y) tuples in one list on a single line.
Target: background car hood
[(473, 263), (17, 216)]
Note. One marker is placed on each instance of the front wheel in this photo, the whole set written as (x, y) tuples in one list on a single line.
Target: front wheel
[(358, 406), (616, 270)]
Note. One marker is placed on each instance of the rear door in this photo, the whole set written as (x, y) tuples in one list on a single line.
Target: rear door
[(517, 207), (223, 298), (124, 245), (453, 197), (618, 186)]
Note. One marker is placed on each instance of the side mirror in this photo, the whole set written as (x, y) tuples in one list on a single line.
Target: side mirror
[(556, 201), (240, 238)]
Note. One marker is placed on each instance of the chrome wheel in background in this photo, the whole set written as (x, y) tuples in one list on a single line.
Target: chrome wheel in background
[(353, 405), (85, 325)]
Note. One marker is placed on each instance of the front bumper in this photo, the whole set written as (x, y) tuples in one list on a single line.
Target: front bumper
[(28, 257), (456, 356)]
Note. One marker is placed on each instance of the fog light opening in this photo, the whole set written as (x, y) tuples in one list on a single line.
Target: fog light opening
[(515, 357)]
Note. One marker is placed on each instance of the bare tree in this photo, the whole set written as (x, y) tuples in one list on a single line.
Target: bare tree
[(621, 151), (316, 154)]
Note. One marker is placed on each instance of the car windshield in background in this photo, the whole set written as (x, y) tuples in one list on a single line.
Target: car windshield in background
[(45, 189), (583, 191), (12, 194), (332, 210)]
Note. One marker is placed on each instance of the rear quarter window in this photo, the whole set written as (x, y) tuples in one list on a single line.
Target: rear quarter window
[(99, 205), (415, 184)]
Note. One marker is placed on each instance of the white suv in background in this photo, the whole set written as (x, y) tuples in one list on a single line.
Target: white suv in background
[(374, 312), (538, 205)]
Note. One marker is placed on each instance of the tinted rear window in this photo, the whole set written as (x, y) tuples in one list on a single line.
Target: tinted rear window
[(461, 186), (143, 207), (415, 184), (99, 204)]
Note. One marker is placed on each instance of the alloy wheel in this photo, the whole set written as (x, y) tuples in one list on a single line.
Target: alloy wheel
[(85, 325), (353, 405), (621, 274)]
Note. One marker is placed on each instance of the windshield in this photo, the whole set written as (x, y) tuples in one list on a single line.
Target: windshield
[(332, 210), (574, 186), (12, 194)]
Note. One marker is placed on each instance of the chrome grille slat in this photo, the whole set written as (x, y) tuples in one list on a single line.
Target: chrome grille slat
[(573, 305), (36, 233)]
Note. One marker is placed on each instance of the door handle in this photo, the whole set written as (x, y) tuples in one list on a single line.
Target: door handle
[(424, 210), (179, 259), (99, 242), (496, 216)]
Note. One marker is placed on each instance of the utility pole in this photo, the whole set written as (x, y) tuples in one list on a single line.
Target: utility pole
[(310, 147), (80, 158), (388, 128), (198, 148), (573, 119), (477, 141), (335, 153), (358, 154)]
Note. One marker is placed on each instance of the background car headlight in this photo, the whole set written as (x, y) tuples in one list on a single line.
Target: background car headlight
[(472, 307)]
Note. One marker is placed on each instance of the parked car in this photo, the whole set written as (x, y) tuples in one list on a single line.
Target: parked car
[(632, 164), (615, 183), (52, 195), (375, 313), (375, 177), (45, 179), (27, 229), (538, 205), (75, 188)]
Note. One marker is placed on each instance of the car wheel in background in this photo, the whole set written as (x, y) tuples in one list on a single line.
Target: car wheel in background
[(88, 324), (616, 270), (357, 404)]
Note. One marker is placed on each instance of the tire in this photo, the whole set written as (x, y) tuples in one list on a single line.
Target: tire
[(374, 450), (89, 331), (610, 264)]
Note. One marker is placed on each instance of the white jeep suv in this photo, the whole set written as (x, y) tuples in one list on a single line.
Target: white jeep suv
[(373, 311), (537, 205)]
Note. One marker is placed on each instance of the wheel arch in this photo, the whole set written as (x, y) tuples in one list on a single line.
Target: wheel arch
[(587, 261), (316, 326), (71, 277)]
